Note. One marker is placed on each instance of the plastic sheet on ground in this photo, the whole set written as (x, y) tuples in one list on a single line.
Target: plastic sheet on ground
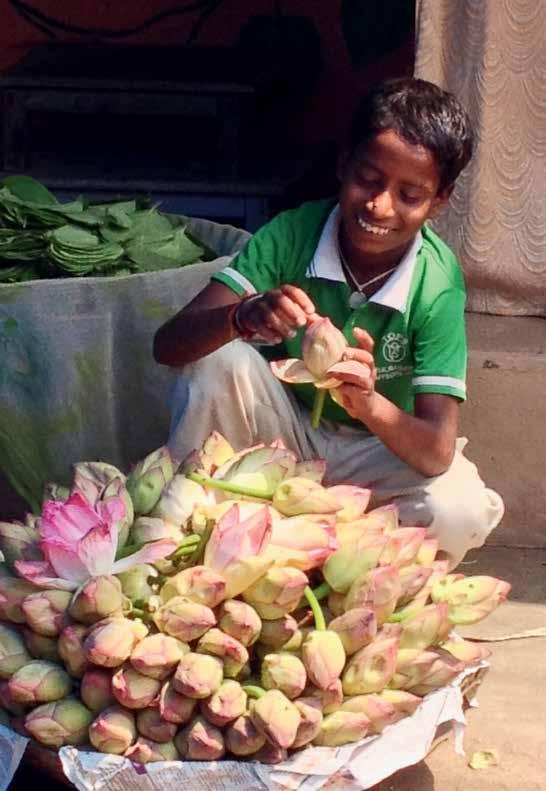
[(12, 748)]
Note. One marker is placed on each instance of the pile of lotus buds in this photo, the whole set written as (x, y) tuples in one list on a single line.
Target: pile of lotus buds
[(231, 604)]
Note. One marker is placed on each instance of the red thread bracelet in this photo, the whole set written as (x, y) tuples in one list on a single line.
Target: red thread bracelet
[(234, 321)]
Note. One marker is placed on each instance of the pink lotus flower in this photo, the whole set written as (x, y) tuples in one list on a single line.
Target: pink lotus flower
[(80, 540), (323, 347), (310, 537), (236, 548), (353, 500)]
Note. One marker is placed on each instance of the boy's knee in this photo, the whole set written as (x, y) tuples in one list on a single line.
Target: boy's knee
[(462, 521), (228, 359)]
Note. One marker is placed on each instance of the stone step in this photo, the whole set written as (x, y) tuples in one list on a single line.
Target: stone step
[(505, 420)]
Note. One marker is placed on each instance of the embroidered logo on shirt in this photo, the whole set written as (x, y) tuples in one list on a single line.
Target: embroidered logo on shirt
[(394, 347)]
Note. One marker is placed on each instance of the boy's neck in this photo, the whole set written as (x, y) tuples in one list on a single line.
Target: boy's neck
[(364, 266)]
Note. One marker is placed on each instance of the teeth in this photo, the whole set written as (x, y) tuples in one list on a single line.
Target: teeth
[(372, 228)]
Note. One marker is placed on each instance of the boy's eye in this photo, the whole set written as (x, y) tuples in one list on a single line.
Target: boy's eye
[(412, 198), (367, 177)]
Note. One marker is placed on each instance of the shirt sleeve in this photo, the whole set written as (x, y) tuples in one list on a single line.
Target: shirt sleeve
[(257, 268), (440, 354)]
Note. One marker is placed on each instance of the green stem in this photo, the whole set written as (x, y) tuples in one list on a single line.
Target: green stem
[(226, 486), (184, 552), (254, 692), (142, 614), (320, 623), (199, 551), (322, 591), (318, 404), (186, 547)]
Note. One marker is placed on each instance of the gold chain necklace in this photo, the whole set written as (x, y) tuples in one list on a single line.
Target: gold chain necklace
[(358, 298)]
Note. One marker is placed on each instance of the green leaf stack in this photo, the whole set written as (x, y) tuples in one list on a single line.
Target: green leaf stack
[(41, 237)]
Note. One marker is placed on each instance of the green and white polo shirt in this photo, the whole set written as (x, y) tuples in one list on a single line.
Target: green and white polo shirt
[(416, 319)]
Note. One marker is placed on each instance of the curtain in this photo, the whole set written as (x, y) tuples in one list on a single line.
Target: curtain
[(492, 55)]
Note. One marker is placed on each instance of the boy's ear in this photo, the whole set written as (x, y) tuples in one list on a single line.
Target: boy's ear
[(440, 201)]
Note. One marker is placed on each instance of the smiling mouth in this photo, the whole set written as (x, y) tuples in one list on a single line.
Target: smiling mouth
[(375, 229)]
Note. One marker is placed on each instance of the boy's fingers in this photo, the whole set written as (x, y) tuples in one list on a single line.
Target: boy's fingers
[(360, 355), (361, 378), (363, 338), (274, 312), (299, 296), (290, 311)]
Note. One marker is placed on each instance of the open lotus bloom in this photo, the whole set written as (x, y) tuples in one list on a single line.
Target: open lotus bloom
[(80, 540), (96, 480), (322, 349)]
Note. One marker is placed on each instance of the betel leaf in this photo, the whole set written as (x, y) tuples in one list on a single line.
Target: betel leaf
[(180, 249), (151, 226), (154, 254), (373, 28), (39, 239), (28, 189), (73, 236), (122, 214)]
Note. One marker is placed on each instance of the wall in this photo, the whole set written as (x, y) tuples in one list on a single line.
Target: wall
[(322, 118)]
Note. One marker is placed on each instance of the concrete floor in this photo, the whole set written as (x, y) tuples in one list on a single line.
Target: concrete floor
[(511, 717)]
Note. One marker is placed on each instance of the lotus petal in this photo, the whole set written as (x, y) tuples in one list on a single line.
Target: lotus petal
[(292, 371), (150, 552), (97, 550), (352, 372), (67, 522), (43, 575), (353, 500), (65, 561)]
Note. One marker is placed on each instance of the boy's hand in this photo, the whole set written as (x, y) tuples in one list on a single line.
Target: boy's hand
[(357, 391), (277, 314)]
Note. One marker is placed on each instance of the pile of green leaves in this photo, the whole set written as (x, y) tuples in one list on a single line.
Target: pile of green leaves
[(43, 238)]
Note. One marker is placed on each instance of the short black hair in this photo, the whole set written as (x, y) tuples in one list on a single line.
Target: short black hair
[(422, 114)]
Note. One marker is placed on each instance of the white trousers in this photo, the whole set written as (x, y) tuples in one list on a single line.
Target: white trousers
[(233, 391)]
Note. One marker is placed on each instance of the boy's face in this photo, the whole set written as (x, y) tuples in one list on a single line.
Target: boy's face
[(389, 188)]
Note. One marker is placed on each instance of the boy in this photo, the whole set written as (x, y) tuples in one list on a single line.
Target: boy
[(369, 263)]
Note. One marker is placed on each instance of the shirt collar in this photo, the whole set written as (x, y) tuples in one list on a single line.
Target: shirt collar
[(326, 264)]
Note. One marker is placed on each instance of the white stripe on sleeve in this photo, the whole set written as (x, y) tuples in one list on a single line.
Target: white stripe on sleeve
[(441, 381), (240, 279)]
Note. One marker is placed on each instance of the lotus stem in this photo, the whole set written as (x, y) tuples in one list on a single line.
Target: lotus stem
[(396, 617), (318, 404), (320, 623), (141, 614), (199, 551), (186, 547), (253, 691), (226, 486), (322, 591)]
